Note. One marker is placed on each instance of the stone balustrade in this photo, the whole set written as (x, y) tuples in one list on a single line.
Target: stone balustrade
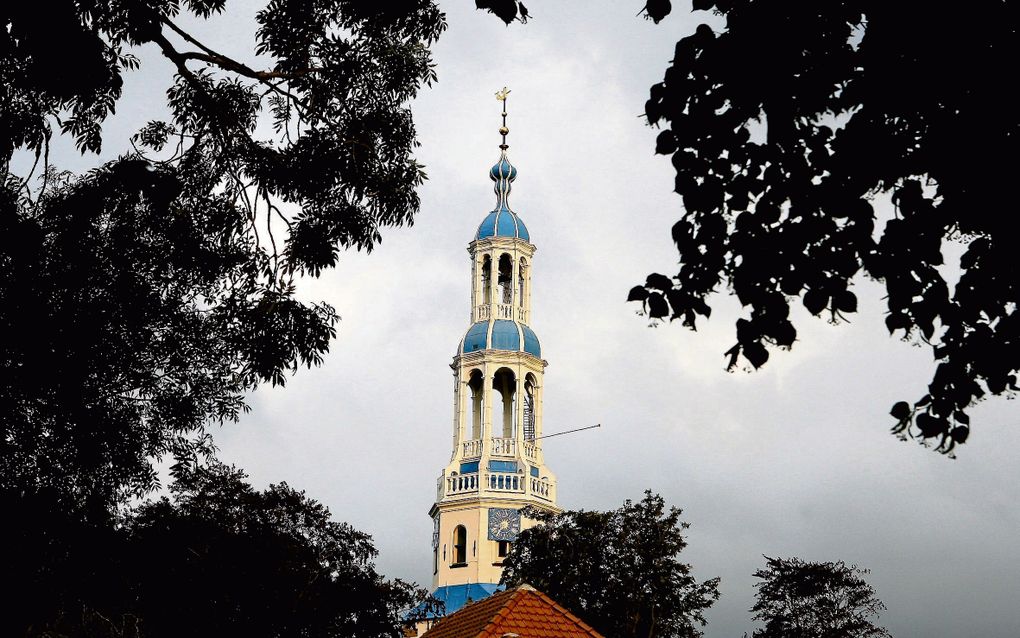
[(461, 483), (472, 449), (501, 447), (487, 311), (500, 482), (543, 488), (504, 447)]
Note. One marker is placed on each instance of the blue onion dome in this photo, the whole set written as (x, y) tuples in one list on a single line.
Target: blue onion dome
[(503, 169), (502, 222), (501, 334)]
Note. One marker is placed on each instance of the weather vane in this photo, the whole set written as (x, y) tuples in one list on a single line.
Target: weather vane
[(503, 130)]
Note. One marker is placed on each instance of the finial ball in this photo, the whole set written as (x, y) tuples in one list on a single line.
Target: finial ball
[(503, 130)]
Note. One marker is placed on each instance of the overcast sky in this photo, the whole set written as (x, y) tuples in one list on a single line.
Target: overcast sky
[(792, 460)]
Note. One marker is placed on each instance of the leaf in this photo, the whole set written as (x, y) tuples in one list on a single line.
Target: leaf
[(896, 322), (845, 301), (637, 293), (656, 10), (931, 426), (657, 306), (900, 411), (815, 300), (756, 353), (960, 433), (665, 143), (659, 282)]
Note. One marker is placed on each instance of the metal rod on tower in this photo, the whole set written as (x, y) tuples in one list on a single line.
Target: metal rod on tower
[(547, 436)]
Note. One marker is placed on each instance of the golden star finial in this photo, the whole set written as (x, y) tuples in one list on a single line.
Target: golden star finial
[(501, 95)]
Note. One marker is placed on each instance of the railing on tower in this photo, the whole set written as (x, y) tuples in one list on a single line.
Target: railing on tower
[(471, 449), (504, 447), (486, 311), (500, 446), (501, 482)]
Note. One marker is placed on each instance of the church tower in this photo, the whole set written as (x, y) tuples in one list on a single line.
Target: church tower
[(496, 467)]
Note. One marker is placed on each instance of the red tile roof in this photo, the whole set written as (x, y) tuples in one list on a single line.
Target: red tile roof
[(523, 611)]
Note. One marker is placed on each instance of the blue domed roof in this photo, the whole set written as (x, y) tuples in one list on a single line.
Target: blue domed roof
[(502, 222), (504, 335)]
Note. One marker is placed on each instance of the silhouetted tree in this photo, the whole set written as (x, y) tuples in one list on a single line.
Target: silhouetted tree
[(798, 599), (143, 299), (214, 558), (786, 125), (619, 571), (140, 301), (221, 558)]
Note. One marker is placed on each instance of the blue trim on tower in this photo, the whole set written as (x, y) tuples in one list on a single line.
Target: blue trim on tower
[(488, 226), (505, 335), (506, 224), (503, 466), (475, 337), (456, 597), (531, 344), (503, 222)]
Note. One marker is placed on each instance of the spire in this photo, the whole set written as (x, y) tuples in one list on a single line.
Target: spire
[(503, 172)]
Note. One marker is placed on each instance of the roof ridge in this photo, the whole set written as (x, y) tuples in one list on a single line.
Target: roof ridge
[(508, 606)]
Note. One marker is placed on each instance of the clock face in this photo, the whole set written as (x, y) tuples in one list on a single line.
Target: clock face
[(504, 524)]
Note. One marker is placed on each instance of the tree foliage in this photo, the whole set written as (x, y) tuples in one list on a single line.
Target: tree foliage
[(150, 294), (856, 100), (214, 558), (799, 599), (619, 571)]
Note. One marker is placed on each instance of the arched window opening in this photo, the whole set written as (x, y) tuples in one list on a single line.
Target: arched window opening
[(506, 384), (521, 282), (506, 275), (529, 408), (486, 279), (476, 385), (460, 545)]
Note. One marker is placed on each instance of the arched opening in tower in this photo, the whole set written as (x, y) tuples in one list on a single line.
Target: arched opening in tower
[(505, 383), (529, 407), (476, 385), (506, 277), (522, 281), (460, 545), (486, 279)]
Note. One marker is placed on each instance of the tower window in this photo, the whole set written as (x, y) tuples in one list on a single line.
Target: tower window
[(504, 549), (486, 279), (521, 278), (506, 273), (475, 384), (459, 546), (529, 408), (505, 384)]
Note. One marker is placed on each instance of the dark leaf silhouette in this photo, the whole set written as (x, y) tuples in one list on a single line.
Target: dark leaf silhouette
[(786, 125), (213, 558), (162, 287)]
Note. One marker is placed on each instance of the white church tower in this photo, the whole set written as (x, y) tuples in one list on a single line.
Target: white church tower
[(496, 467)]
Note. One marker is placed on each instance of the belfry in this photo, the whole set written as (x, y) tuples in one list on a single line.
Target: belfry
[(496, 467)]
